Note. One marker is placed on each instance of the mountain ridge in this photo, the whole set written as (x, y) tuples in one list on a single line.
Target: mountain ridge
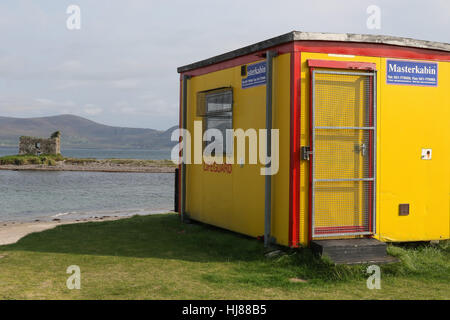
[(80, 132)]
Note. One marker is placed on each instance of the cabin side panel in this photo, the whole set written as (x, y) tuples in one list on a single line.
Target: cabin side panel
[(232, 196), (415, 118)]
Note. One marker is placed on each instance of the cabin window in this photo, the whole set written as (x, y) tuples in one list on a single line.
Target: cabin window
[(217, 109)]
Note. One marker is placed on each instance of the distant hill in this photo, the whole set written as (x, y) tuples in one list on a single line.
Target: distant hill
[(83, 133)]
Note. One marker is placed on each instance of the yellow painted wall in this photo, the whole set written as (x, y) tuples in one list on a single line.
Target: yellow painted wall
[(236, 201), (413, 118), (409, 118)]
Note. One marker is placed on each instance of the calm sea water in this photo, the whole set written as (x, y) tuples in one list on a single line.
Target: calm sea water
[(103, 153), (31, 195)]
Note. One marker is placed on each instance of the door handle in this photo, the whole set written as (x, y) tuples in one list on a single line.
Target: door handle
[(361, 148)]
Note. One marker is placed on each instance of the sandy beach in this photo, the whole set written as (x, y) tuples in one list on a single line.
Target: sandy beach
[(11, 232)]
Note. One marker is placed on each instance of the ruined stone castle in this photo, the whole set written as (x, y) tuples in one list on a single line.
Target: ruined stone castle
[(38, 146)]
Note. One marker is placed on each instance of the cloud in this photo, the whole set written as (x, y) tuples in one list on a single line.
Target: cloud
[(126, 83), (51, 104), (69, 66), (128, 110), (121, 66), (20, 106), (92, 110)]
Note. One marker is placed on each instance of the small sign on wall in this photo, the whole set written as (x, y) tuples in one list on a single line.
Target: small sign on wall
[(256, 75), (412, 73), (427, 154)]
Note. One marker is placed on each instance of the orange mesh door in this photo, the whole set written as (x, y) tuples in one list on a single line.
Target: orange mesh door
[(343, 132)]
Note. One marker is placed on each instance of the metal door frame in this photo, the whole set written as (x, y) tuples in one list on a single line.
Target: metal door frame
[(373, 151)]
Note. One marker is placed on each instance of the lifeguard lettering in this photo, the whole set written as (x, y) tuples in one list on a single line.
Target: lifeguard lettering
[(218, 168)]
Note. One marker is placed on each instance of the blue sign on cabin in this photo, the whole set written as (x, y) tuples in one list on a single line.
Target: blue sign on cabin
[(412, 73), (256, 75)]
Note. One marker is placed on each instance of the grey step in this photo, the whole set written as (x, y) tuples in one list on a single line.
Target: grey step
[(363, 250), (378, 260)]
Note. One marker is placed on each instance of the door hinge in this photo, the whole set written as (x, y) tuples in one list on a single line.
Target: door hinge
[(305, 153)]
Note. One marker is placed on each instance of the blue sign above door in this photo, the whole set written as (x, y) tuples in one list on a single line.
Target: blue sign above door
[(412, 73)]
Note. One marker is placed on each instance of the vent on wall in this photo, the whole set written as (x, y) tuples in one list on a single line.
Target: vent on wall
[(403, 209)]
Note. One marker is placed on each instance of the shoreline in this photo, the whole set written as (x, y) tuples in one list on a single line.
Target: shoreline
[(90, 168), (12, 231), (60, 163)]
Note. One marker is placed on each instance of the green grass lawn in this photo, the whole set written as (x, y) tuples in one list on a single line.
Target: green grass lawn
[(158, 257)]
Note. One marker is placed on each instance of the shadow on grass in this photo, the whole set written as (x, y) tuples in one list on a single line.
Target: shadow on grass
[(160, 236), (165, 237)]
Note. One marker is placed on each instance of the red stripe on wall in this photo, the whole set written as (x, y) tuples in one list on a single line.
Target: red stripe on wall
[(356, 65), (343, 229), (294, 178), (311, 145), (372, 187)]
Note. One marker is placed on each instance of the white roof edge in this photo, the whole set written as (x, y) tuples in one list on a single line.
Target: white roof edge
[(320, 36), (371, 38)]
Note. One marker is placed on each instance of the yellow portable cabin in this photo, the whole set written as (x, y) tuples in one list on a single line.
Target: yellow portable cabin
[(363, 129)]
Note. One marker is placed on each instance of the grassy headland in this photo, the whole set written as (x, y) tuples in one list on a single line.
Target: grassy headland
[(28, 159), (158, 257), (131, 162), (61, 163)]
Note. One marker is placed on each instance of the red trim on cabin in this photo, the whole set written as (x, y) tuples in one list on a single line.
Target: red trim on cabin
[(294, 178), (311, 146), (333, 64), (337, 47), (371, 155), (342, 229), (371, 50), (238, 61)]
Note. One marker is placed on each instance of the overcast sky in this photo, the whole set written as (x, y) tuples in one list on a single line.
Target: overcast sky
[(120, 67)]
